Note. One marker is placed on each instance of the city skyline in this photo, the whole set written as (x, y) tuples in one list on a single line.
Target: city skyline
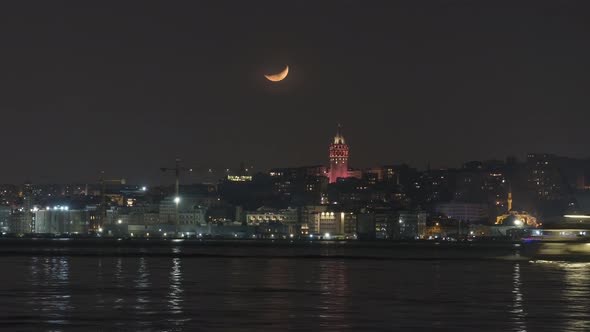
[(202, 173), (127, 89), (206, 174)]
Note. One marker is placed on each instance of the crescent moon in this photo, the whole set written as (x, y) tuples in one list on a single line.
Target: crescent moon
[(279, 76)]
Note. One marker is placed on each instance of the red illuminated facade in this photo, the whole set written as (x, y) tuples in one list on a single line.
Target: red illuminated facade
[(338, 157)]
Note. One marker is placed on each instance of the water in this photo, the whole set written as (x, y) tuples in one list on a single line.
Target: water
[(63, 292)]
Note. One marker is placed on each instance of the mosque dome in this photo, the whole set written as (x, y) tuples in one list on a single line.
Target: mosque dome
[(512, 220)]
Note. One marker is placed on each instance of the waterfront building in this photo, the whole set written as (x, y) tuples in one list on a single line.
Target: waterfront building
[(348, 223), (470, 212), (412, 224), (19, 223), (308, 215), (287, 217), (382, 225), (184, 210), (318, 219), (61, 220), (326, 223), (392, 225)]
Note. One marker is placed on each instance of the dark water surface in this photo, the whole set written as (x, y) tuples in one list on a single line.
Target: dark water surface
[(60, 292)]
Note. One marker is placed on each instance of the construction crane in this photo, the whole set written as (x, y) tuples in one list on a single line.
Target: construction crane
[(103, 202), (177, 169)]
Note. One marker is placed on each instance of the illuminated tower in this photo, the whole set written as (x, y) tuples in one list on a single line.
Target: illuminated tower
[(509, 201), (338, 157)]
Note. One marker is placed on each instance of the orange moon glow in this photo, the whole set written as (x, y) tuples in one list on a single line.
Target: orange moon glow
[(279, 76)]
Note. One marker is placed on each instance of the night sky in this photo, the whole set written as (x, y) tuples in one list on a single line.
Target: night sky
[(127, 86)]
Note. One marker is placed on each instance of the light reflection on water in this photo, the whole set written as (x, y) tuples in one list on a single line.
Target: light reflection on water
[(518, 311), (334, 294), (118, 280), (51, 275), (100, 281), (174, 293), (142, 285), (575, 293), (175, 283), (577, 296)]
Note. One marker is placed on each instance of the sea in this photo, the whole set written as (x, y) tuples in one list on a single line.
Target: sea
[(62, 285)]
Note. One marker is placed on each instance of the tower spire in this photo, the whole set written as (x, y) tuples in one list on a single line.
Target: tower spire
[(339, 138)]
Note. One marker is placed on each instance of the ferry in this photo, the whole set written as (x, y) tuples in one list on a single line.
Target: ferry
[(561, 241)]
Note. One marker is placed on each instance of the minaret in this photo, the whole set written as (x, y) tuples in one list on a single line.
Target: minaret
[(509, 200), (338, 157)]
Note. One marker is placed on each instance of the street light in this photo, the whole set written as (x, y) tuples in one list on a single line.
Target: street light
[(176, 200)]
